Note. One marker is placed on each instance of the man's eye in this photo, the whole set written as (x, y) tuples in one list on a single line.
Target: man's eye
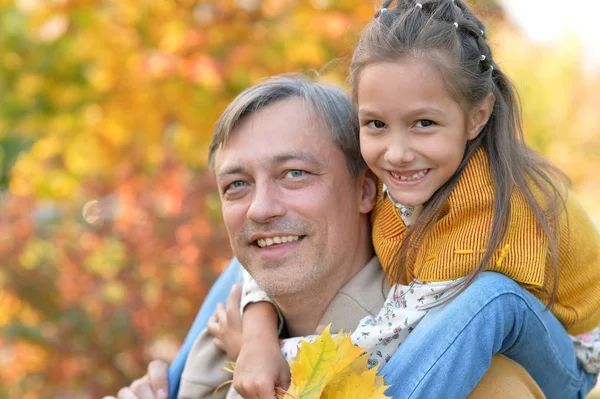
[(235, 184), (424, 123), (376, 124), (295, 173)]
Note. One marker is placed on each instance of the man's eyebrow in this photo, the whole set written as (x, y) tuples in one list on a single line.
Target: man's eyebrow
[(275, 160), (295, 156), (230, 171)]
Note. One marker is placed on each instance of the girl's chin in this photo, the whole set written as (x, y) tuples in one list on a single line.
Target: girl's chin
[(408, 200)]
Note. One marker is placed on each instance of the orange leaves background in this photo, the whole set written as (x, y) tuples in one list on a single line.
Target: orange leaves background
[(110, 231)]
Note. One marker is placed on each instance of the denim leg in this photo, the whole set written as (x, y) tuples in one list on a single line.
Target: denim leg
[(218, 293), (451, 348)]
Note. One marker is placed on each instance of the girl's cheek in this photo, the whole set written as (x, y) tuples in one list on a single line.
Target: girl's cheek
[(364, 147), (369, 151)]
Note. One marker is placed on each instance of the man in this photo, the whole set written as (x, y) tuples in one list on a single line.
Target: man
[(287, 162)]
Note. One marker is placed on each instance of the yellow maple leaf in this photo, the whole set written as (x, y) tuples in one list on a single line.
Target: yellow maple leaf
[(314, 366), (333, 367), (363, 386), (346, 353)]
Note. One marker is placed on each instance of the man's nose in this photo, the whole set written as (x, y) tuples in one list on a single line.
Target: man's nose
[(267, 204), (399, 150)]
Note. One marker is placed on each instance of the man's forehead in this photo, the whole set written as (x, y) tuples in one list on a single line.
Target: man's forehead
[(294, 109), (276, 133)]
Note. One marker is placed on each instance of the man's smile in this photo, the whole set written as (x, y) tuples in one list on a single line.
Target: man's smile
[(267, 242)]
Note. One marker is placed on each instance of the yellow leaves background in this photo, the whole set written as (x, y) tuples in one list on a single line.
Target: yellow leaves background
[(110, 230)]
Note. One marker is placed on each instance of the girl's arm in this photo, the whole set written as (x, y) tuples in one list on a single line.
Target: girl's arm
[(253, 341), (260, 366)]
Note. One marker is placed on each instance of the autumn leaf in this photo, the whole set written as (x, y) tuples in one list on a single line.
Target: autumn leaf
[(314, 366), (333, 367)]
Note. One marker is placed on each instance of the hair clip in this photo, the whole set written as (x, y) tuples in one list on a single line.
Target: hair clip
[(455, 25), (482, 58), (482, 33), (419, 5)]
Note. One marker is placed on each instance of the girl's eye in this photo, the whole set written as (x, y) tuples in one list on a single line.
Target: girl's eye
[(376, 124), (295, 173), (424, 123)]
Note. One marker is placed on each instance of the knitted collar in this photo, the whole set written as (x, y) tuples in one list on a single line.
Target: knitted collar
[(458, 239)]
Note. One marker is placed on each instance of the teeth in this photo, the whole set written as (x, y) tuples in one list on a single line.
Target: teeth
[(267, 242), (416, 176)]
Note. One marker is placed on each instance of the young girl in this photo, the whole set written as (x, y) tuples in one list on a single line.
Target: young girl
[(460, 192)]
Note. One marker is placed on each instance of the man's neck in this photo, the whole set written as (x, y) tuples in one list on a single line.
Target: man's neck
[(303, 311)]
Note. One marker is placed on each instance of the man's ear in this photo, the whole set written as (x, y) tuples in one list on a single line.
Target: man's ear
[(368, 190), (480, 115)]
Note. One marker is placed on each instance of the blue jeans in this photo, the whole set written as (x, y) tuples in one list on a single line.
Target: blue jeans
[(448, 352), (451, 348)]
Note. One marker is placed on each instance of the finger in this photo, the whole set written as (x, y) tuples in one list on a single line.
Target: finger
[(233, 305), (265, 390), (213, 328), (285, 379), (141, 387), (220, 313), (235, 295), (126, 393), (158, 374), (244, 388), (219, 344), (221, 317), (252, 389)]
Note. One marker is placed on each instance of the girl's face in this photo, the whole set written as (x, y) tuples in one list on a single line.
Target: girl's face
[(413, 135)]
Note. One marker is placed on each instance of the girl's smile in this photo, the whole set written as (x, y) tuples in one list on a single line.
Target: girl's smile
[(408, 177)]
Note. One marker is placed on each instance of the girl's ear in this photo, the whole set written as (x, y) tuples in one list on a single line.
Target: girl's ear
[(480, 115), (368, 190)]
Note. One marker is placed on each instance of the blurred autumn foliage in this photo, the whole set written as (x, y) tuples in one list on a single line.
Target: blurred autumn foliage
[(110, 230)]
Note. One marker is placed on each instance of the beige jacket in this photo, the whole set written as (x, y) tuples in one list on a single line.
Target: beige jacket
[(363, 295)]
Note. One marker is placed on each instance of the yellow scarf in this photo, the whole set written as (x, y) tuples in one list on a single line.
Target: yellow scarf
[(456, 243)]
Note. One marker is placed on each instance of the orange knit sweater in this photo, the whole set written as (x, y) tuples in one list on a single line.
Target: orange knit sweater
[(456, 243)]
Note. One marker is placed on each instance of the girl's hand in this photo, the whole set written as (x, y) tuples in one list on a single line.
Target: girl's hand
[(226, 324), (260, 367)]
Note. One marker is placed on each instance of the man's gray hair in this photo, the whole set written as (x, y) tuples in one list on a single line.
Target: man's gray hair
[(329, 102)]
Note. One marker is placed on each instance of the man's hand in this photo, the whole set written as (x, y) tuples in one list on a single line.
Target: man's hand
[(154, 385), (226, 324)]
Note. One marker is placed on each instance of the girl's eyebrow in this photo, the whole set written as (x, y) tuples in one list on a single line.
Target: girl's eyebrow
[(427, 110), (366, 113)]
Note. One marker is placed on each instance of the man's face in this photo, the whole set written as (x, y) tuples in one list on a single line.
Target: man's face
[(291, 208)]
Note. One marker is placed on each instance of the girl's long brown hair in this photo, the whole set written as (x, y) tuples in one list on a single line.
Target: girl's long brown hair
[(449, 36)]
